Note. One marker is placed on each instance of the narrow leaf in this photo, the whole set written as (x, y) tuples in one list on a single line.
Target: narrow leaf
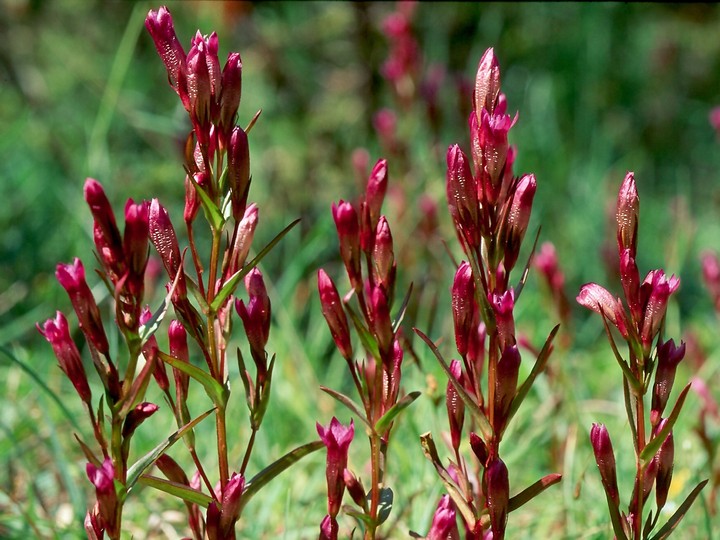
[(533, 491), (212, 212), (477, 413), (403, 307), (430, 451), (636, 385), (384, 423), (526, 271), (348, 402), (654, 444), (150, 327), (538, 368), (233, 281), (141, 465), (89, 454), (366, 337), (666, 529), (215, 391), (186, 493), (41, 383), (271, 471)]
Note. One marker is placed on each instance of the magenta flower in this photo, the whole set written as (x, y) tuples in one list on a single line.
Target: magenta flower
[(348, 229), (230, 94), (464, 306), (177, 338), (375, 191), (518, 219), (668, 358), (137, 416), (600, 300), (502, 306), (238, 171), (657, 289), (334, 314), (498, 496), (103, 478), (505, 386), (231, 499), (135, 246), (487, 83), (108, 241), (58, 335), (628, 214), (337, 439), (160, 26), (444, 526), (383, 257), (462, 196), (605, 459), (256, 319), (455, 406), (72, 278), (162, 235)]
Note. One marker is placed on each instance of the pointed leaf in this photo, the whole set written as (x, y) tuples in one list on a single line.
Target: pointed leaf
[(150, 327), (349, 403), (233, 281), (253, 120), (430, 451), (477, 413), (523, 279), (89, 454), (654, 444), (38, 378), (403, 307), (666, 529), (212, 212), (186, 493), (538, 368), (384, 422), (271, 471), (197, 294), (366, 337), (137, 390), (141, 465), (636, 385), (533, 491), (215, 391)]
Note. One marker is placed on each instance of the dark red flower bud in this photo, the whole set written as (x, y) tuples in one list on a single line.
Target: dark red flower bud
[(200, 84), (160, 25), (664, 460), (328, 528), (464, 306), (58, 335), (231, 503), (238, 171), (605, 459), (107, 238), (72, 279), (355, 488), (375, 191), (256, 319), (628, 213), (487, 83), (479, 448), (462, 197), (150, 352), (455, 406), (162, 235), (498, 496), (337, 439), (630, 279), (668, 358), (230, 93), (243, 239), (192, 201), (103, 478), (502, 306), (334, 314), (517, 220), (383, 257), (177, 337), (493, 140), (506, 378), (135, 246), (657, 288), (348, 229), (137, 416), (381, 323), (444, 526)]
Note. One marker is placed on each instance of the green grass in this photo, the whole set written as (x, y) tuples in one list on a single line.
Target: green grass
[(601, 89)]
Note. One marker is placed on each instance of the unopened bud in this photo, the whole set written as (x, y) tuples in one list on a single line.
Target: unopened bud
[(334, 314), (628, 213)]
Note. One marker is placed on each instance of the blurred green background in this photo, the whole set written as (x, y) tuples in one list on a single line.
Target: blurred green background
[(601, 89)]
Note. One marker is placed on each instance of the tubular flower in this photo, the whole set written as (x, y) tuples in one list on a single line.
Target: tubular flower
[(337, 439), (334, 314)]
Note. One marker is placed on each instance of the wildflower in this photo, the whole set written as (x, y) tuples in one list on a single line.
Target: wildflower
[(58, 335), (337, 439), (334, 314)]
